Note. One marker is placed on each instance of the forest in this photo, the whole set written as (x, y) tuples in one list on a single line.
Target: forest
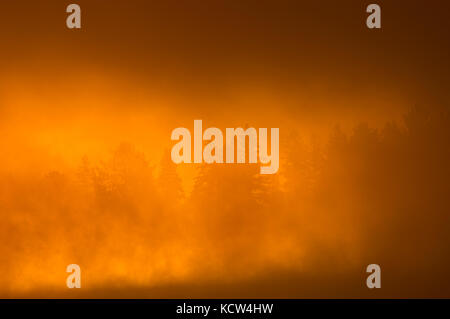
[(375, 195)]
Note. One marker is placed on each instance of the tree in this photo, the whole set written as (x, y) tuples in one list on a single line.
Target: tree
[(169, 182)]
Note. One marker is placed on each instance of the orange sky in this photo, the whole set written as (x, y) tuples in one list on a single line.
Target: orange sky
[(138, 69)]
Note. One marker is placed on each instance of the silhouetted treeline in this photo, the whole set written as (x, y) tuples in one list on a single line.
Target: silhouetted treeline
[(373, 196)]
